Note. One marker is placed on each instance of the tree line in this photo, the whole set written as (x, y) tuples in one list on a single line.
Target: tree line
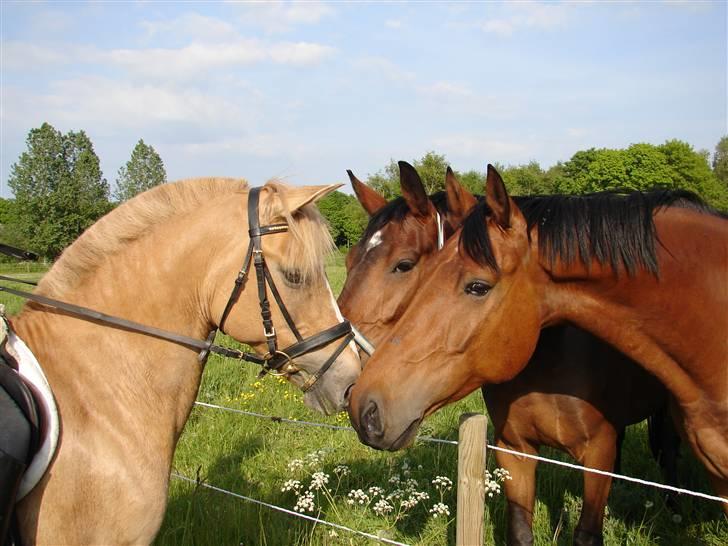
[(59, 189), (674, 164)]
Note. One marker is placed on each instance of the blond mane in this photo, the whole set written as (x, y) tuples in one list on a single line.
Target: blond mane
[(309, 245), (310, 241)]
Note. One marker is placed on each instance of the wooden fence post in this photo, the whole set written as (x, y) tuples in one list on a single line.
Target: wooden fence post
[(471, 479)]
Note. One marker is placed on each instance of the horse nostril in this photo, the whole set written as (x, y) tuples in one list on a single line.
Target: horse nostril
[(371, 420)]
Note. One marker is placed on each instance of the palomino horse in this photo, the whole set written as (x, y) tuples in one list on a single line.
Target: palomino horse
[(576, 394), (645, 272), (167, 258)]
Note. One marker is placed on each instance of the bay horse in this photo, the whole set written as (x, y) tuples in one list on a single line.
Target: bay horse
[(645, 272), (168, 258), (577, 394)]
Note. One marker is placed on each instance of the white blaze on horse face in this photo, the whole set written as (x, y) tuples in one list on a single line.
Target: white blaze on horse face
[(375, 241)]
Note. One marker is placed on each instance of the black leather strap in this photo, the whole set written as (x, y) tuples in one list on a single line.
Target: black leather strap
[(96, 316)]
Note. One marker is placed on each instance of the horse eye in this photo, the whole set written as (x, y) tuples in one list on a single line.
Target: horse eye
[(477, 288), (403, 266), (293, 276)]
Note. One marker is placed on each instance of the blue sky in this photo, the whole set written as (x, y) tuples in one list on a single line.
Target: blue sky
[(305, 91)]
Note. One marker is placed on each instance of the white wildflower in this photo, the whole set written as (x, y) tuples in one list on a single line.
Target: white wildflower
[(413, 499), (292, 485), (442, 483), (295, 464), (396, 494), (315, 458), (374, 491), (357, 496), (440, 509), (342, 470), (305, 503), (318, 481), (382, 507)]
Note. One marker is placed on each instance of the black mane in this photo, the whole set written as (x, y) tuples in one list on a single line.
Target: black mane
[(614, 228), (397, 209)]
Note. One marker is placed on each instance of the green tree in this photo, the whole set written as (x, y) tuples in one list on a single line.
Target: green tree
[(346, 217), (431, 168), (674, 164), (720, 161), (59, 189), (386, 181), (529, 179), (9, 229), (143, 171)]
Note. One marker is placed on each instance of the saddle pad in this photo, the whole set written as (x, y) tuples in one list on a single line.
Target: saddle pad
[(32, 373)]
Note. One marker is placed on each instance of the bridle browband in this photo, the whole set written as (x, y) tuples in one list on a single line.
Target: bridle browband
[(275, 361)]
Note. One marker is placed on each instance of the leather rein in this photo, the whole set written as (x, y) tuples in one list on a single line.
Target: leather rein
[(276, 361)]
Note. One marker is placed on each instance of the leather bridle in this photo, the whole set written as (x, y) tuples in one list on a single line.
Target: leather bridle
[(280, 361), (275, 361)]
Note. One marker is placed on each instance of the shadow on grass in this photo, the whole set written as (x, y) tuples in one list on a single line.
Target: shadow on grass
[(200, 516)]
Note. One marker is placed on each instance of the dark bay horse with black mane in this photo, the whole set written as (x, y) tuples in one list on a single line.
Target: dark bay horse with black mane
[(168, 259), (646, 272), (577, 393)]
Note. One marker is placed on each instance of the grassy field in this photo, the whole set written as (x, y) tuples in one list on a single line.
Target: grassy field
[(256, 457)]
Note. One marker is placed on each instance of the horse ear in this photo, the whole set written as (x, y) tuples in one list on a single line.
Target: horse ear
[(413, 190), (368, 197), (496, 196), (300, 196), (459, 200)]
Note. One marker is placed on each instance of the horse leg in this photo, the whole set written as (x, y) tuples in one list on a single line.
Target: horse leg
[(665, 446), (520, 491), (720, 487), (600, 454)]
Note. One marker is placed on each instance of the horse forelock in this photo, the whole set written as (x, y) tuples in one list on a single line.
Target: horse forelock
[(310, 242), (615, 229), (127, 223), (396, 211)]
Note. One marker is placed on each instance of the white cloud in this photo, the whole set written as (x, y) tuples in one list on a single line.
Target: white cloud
[(577, 132), (393, 23), (97, 101), (190, 61), (264, 145), (190, 25), (384, 68), (479, 148), (27, 56), (278, 16), (528, 15), (501, 27), (445, 90)]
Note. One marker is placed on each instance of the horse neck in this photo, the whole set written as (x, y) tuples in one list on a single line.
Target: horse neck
[(657, 320), (156, 280)]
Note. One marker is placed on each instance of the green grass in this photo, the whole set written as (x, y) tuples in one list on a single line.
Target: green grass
[(250, 456)]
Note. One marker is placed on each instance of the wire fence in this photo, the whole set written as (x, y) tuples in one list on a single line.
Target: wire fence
[(493, 447), (287, 511), (200, 483)]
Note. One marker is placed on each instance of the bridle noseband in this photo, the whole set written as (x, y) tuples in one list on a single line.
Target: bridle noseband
[(279, 361)]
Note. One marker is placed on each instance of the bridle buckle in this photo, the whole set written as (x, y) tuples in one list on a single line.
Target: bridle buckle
[(288, 368), (270, 334)]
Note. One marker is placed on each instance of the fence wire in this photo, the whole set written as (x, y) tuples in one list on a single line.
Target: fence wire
[(430, 439), (286, 511)]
